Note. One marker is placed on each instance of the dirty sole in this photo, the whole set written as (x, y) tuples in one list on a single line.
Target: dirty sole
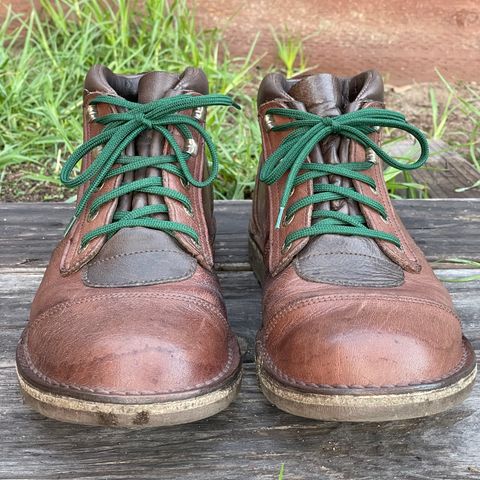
[(372, 407), (72, 410)]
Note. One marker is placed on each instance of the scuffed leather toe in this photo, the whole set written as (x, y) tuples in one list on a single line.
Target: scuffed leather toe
[(370, 342), (121, 346)]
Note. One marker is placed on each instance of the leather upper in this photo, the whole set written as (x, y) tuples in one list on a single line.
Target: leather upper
[(344, 311), (140, 314), (163, 340)]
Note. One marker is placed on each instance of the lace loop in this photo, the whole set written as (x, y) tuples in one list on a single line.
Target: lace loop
[(120, 130), (307, 130)]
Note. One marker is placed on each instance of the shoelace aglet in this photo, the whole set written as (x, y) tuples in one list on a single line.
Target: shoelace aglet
[(279, 218)]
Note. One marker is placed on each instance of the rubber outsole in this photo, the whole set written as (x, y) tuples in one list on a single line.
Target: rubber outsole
[(84, 412), (365, 408)]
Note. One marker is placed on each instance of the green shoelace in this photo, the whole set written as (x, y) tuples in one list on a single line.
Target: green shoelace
[(291, 156), (120, 130)]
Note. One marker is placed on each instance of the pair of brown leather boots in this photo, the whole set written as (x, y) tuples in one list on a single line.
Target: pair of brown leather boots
[(129, 326)]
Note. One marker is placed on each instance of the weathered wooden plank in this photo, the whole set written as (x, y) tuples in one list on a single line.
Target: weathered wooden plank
[(30, 231), (250, 440), (445, 173), (242, 296), (443, 228)]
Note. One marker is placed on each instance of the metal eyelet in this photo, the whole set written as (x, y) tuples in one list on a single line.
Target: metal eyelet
[(194, 242), (370, 156), (96, 152), (81, 248), (91, 217), (292, 192), (374, 190), (269, 121), (286, 248), (384, 219), (185, 183), (92, 112), (199, 113), (188, 211), (288, 221), (192, 147)]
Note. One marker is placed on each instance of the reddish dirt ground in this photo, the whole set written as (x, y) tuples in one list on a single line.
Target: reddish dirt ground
[(404, 39)]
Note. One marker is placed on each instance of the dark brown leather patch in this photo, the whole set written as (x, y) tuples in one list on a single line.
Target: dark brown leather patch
[(139, 256), (352, 261)]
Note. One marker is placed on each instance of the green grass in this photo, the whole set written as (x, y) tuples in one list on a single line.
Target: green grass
[(467, 104), (290, 52), (43, 64), (467, 263), (43, 61)]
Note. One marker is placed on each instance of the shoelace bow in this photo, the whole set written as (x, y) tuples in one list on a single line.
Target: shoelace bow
[(120, 130), (291, 156)]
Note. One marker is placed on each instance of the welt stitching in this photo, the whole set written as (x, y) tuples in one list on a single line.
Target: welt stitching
[(347, 283), (311, 276), (74, 387), (289, 379), (197, 198), (113, 257), (302, 269), (343, 253), (188, 299), (397, 230)]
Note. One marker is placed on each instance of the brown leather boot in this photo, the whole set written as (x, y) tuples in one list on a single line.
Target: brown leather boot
[(129, 326), (356, 326)]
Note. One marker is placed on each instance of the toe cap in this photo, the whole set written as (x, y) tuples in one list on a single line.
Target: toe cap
[(363, 342), (129, 345)]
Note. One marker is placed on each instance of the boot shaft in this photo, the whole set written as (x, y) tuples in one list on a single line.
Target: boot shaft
[(196, 211), (329, 97)]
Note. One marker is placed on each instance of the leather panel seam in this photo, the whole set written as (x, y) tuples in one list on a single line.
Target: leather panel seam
[(188, 274), (113, 257), (269, 362), (78, 388), (187, 299)]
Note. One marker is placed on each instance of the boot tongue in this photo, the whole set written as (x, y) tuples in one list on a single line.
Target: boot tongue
[(321, 94), (155, 85), (329, 96), (152, 86), (337, 259)]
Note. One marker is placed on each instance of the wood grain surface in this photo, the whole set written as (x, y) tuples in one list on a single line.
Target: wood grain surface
[(252, 439)]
